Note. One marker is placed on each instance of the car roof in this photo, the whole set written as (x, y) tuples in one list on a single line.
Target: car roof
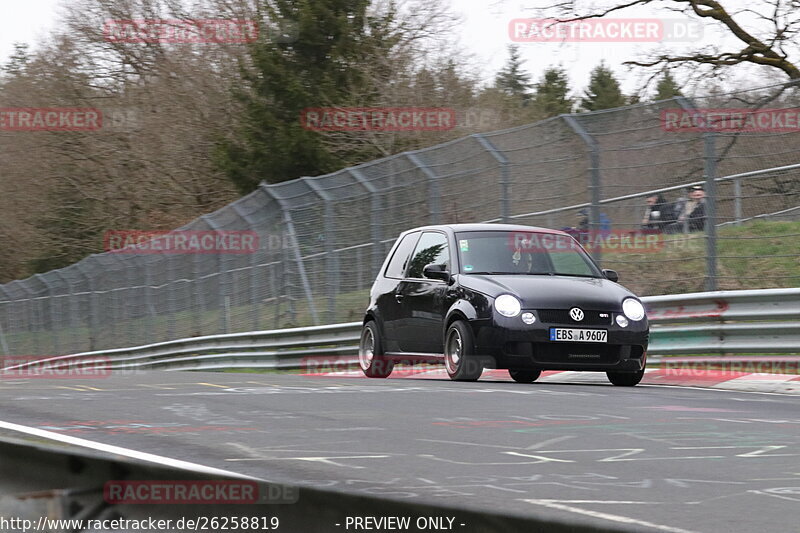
[(488, 227)]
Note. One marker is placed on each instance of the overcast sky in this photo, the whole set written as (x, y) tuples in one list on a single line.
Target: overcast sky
[(483, 31)]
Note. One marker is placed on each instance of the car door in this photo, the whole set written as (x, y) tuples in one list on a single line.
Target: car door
[(388, 303), (420, 327)]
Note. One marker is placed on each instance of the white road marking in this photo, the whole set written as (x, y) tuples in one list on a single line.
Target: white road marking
[(125, 452), (554, 504), (763, 493), (548, 442)]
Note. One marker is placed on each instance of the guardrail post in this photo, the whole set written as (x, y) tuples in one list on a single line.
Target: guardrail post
[(434, 194), (375, 225), (595, 178), (289, 223), (505, 177)]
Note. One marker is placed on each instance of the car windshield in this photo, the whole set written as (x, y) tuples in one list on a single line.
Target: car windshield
[(523, 253)]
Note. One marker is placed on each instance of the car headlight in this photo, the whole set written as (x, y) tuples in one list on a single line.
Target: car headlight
[(633, 309), (507, 305)]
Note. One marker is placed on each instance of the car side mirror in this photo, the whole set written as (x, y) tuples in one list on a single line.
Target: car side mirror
[(611, 275), (439, 272)]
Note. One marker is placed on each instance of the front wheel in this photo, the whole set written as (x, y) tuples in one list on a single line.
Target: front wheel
[(524, 376), (459, 353), (625, 379), (370, 353)]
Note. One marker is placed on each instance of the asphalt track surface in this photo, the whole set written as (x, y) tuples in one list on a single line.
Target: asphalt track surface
[(649, 458)]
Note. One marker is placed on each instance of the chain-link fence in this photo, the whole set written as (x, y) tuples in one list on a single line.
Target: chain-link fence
[(323, 239)]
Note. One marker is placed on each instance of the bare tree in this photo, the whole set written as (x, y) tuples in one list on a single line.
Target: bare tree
[(766, 32)]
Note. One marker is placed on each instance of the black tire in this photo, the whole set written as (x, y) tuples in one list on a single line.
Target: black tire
[(524, 376), (370, 353), (625, 379), (460, 360)]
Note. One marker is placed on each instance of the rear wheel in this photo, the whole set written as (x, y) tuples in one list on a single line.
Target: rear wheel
[(625, 379), (524, 376), (459, 353), (370, 353)]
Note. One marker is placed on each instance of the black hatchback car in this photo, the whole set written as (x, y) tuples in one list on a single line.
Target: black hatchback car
[(477, 296)]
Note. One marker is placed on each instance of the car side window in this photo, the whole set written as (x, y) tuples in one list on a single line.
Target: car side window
[(570, 263), (397, 265), (431, 248)]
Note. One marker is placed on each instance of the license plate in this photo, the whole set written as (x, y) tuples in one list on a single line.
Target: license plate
[(578, 335)]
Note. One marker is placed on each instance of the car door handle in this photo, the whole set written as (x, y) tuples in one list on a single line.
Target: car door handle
[(399, 297)]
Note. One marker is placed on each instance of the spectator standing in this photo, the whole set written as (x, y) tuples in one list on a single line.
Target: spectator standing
[(692, 212), (659, 213)]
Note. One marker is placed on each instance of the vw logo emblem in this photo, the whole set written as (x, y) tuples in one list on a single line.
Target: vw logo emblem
[(576, 314)]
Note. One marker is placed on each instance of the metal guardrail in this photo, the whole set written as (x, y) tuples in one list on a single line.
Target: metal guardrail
[(721, 322)]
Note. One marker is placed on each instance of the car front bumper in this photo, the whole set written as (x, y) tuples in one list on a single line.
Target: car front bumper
[(510, 343)]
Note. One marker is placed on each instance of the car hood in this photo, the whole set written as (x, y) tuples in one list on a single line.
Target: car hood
[(552, 292)]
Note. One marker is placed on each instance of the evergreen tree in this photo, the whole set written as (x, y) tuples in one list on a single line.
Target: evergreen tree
[(667, 87), (320, 68), (552, 93), (604, 91), (512, 80)]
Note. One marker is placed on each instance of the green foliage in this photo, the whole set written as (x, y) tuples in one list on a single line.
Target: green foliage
[(512, 80), (336, 40), (552, 93), (667, 87), (424, 258), (604, 91)]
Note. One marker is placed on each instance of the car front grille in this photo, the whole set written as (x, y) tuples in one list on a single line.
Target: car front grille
[(557, 353), (561, 316)]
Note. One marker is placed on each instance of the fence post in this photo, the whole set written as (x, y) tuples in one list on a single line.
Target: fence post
[(287, 220), (595, 178), (3, 341), (51, 307), (331, 259), (434, 193), (377, 212), (222, 287), (710, 177), (505, 178), (74, 313), (737, 201), (256, 313), (710, 171), (92, 319)]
